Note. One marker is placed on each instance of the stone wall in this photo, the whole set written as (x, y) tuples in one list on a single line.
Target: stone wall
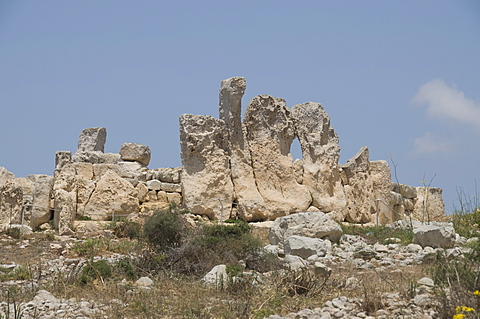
[(244, 169), (230, 169), (89, 184)]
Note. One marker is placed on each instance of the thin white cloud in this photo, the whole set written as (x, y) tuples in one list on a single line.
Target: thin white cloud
[(430, 143), (448, 102)]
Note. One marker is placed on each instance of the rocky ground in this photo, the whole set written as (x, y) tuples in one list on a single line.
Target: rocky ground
[(371, 280)]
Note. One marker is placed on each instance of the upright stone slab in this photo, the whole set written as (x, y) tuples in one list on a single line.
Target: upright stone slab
[(269, 133), (92, 139), (358, 187), (382, 185), (42, 192), (429, 205), (249, 200), (11, 199), (207, 186), (320, 151)]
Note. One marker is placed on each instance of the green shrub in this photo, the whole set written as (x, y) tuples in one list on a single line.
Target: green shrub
[(127, 229), (100, 269), (165, 228), (125, 269)]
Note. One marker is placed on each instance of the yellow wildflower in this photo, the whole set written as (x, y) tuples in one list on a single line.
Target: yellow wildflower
[(476, 293), (460, 309), (459, 316)]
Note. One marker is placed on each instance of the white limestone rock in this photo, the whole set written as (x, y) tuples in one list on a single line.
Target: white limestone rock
[(112, 194), (62, 158), (207, 186), (304, 246), (434, 236), (92, 139), (42, 192), (135, 152), (217, 277), (320, 150), (248, 199), (429, 205), (154, 185), (365, 182), (308, 224), (270, 132)]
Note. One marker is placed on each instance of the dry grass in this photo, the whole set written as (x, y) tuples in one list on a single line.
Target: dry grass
[(174, 295)]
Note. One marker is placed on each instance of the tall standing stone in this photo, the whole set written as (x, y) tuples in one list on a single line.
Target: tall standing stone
[(270, 132), (429, 205), (321, 152), (358, 188), (207, 186), (249, 200), (42, 192)]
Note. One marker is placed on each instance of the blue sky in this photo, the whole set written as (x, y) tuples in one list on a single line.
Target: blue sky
[(401, 77)]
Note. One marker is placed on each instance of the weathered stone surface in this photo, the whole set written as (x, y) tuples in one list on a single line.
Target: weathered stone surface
[(84, 170), (167, 174), (320, 150), (171, 187), (206, 178), (246, 193), (42, 192), (100, 169), (5, 175), (142, 191), (216, 277), (152, 196), (294, 262), (65, 210), (85, 188), (11, 198), (92, 139), (154, 185), (429, 205), (62, 158), (304, 246), (367, 187), (309, 224), (405, 190), (135, 152), (269, 134), (382, 185), (94, 157), (134, 172), (112, 194), (162, 197), (434, 236)]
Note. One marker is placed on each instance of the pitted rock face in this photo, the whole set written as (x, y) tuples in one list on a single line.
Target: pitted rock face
[(320, 150), (92, 139), (269, 133), (135, 152), (206, 178), (249, 201)]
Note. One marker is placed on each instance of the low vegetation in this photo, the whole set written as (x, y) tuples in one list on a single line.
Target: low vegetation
[(176, 255)]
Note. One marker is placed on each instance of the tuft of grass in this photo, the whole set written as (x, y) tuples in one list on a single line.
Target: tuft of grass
[(380, 234)]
